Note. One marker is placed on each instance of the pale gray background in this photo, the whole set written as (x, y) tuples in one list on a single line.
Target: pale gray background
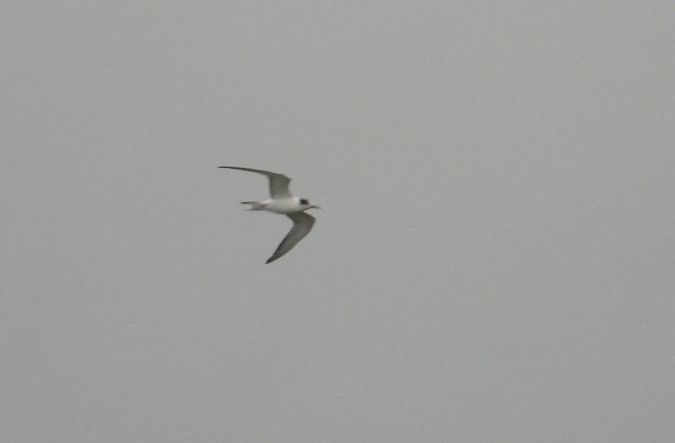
[(493, 263)]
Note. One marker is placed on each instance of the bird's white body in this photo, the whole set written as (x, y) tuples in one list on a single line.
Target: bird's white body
[(284, 205)]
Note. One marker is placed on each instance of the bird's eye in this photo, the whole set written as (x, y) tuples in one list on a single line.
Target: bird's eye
[(304, 201)]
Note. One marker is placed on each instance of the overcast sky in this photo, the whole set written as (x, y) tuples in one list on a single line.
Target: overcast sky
[(493, 261)]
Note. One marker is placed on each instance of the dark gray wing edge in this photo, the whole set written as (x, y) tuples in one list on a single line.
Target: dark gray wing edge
[(273, 177), (302, 225)]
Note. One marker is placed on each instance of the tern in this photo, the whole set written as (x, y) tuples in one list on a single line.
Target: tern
[(282, 201)]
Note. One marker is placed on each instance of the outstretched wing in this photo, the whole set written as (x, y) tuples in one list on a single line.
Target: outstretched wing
[(278, 182), (302, 224)]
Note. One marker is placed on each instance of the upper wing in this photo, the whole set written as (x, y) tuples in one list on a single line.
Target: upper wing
[(278, 182), (302, 224)]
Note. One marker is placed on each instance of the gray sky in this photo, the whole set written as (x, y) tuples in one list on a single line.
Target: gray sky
[(494, 260)]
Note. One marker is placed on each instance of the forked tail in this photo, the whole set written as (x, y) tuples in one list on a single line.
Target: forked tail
[(255, 206)]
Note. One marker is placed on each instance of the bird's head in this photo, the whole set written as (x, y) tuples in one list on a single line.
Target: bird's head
[(307, 205)]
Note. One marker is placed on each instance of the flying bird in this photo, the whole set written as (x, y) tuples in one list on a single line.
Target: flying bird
[(282, 201)]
